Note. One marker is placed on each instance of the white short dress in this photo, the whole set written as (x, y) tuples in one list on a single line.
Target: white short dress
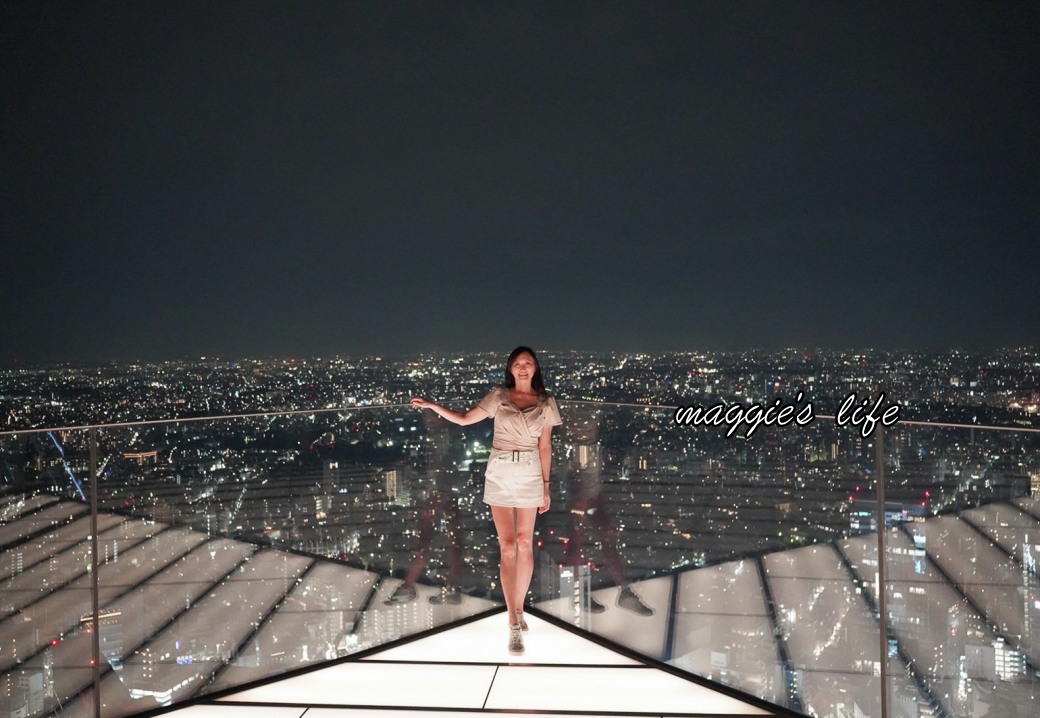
[(514, 470)]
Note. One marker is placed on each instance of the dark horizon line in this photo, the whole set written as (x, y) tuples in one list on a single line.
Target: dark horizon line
[(15, 363)]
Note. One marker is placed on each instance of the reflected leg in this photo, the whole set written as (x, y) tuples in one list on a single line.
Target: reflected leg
[(608, 539), (425, 543)]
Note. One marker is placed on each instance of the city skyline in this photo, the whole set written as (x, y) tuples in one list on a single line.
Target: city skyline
[(984, 388), (328, 179)]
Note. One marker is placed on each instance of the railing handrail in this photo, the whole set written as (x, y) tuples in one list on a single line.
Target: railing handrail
[(187, 419), (356, 407)]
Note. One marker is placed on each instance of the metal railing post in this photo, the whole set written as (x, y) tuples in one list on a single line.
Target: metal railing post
[(879, 472), (95, 568)]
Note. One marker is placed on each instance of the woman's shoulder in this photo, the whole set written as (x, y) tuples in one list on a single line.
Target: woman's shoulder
[(494, 397), (550, 409)]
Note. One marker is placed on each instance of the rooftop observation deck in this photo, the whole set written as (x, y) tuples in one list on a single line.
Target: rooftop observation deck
[(246, 566)]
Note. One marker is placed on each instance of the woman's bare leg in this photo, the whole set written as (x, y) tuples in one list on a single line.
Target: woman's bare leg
[(505, 526), (524, 555)]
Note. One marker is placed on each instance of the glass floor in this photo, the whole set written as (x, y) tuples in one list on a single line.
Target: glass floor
[(466, 670)]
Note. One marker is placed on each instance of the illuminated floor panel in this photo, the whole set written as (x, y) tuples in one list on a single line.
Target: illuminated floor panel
[(359, 712), (219, 711), (484, 641), (642, 690), (378, 684)]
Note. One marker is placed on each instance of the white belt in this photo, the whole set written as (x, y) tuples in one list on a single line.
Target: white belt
[(515, 455)]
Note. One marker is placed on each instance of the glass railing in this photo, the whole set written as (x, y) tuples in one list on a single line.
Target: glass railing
[(231, 550), (717, 554), (960, 570), (228, 551), (754, 562)]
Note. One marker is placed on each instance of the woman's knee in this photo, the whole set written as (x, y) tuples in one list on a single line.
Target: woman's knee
[(507, 545), (525, 544)]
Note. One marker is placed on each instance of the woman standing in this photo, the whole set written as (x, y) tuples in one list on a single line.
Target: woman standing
[(516, 484)]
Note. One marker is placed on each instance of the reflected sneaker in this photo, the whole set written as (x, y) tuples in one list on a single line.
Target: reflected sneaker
[(516, 640), (628, 600), (401, 594), (595, 606), (450, 596), (522, 622)]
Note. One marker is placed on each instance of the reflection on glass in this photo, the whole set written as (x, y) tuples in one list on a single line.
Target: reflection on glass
[(229, 551), (439, 513), (232, 551), (724, 629), (589, 512), (961, 578)]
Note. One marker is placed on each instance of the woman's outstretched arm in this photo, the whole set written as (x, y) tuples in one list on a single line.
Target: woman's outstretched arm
[(470, 417)]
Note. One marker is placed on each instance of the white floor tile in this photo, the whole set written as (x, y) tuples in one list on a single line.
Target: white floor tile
[(419, 713), (484, 641), (226, 711), (379, 684), (644, 690)]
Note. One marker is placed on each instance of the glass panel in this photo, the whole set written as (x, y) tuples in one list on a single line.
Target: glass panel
[(274, 542), (45, 558), (723, 629), (962, 588), (718, 554), (234, 550), (37, 467)]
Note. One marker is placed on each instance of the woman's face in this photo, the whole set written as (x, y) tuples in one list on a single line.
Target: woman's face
[(523, 368)]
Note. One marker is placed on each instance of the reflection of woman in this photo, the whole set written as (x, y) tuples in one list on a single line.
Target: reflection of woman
[(588, 504), (516, 483), (440, 509)]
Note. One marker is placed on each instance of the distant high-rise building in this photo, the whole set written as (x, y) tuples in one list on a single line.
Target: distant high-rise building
[(330, 477)]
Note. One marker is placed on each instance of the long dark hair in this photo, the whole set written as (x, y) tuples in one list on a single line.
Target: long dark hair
[(537, 384)]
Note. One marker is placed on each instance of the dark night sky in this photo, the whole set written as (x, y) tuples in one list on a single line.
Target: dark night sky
[(300, 178)]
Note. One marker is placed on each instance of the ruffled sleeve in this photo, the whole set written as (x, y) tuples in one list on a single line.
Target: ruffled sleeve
[(552, 413), (491, 402)]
